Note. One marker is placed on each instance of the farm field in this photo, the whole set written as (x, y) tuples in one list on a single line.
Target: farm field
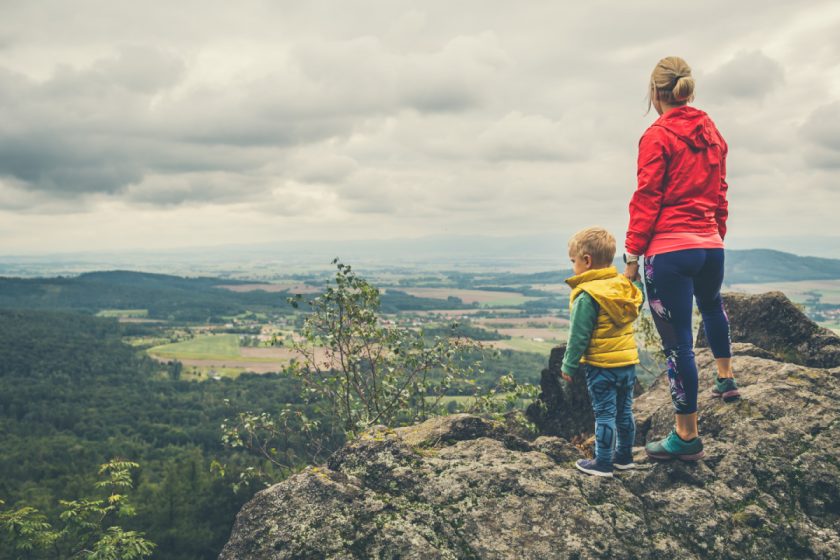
[(461, 312), (534, 332), (553, 288), (524, 345), (834, 326), (485, 298), (221, 354), (124, 313), (208, 347), (266, 287), (796, 291), (545, 321)]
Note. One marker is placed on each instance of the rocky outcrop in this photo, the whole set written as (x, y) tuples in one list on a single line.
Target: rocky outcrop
[(465, 487), (562, 409), (772, 322)]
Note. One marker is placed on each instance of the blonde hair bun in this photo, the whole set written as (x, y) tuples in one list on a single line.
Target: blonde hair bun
[(683, 89), (672, 80)]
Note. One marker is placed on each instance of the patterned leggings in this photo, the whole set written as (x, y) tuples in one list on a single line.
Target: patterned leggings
[(671, 280)]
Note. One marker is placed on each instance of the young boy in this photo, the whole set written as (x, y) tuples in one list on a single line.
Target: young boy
[(601, 346)]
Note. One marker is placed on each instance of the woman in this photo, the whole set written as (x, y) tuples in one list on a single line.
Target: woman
[(678, 222)]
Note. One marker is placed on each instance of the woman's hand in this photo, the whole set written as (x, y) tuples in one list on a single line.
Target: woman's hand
[(631, 271)]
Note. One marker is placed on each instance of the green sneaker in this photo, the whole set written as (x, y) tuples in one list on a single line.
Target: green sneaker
[(726, 389), (672, 446)]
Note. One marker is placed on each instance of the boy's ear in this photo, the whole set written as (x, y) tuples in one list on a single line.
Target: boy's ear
[(587, 260)]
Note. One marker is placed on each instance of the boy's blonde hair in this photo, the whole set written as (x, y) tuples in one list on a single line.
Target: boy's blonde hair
[(672, 80), (596, 242)]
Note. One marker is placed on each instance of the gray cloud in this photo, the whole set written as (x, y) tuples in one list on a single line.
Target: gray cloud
[(748, 75), (821, 132), (305, 118), (529, 137), (823, 126), (106, 126)]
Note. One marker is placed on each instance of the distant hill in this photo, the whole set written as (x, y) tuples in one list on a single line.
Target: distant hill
[(163, 296), (201, 299), (767, 265), (749, 266)]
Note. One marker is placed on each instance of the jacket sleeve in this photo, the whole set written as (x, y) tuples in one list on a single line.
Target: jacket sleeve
[(722, 212), (647, 200), (583, 318)]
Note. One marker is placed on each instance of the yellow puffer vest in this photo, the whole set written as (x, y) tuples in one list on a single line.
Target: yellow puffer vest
[(612, 343)]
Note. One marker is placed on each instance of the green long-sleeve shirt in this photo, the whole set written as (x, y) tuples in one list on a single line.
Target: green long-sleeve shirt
[(583, 318)]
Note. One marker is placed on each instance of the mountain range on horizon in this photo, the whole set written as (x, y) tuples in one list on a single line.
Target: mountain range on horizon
[(753, 266), (440, 248)]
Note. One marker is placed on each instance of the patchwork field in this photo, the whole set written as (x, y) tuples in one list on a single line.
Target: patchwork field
[(485, 298), (221, 354)]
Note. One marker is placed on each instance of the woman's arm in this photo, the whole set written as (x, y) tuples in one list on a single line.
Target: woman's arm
[(722, 212), (647, 200)]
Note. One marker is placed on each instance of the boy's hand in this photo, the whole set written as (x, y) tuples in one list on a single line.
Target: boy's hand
[(566, 377)]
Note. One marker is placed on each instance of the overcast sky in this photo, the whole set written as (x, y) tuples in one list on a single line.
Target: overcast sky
[(172, 124)]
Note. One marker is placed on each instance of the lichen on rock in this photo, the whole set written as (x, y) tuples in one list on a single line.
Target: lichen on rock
[(462, 486), (773, 323)]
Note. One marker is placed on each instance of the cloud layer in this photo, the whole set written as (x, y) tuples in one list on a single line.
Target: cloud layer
[(201, 123)]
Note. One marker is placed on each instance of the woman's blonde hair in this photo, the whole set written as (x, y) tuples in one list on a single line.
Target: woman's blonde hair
[(671, 79), (595, 242)]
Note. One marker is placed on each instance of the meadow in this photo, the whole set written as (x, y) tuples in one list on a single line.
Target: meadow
[(222, 355)]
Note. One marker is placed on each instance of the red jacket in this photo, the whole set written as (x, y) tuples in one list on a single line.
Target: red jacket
[(682, 179)]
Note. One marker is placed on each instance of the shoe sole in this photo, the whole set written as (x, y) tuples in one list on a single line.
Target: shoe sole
[(593, 472), (727, 396), (668, 456), (626, 467)]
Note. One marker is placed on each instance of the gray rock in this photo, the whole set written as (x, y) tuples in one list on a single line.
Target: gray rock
[(772, 322), (463, 487), (562, 409)]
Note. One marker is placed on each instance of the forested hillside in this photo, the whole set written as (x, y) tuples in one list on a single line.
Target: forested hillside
[(163, 296), (73, 396)]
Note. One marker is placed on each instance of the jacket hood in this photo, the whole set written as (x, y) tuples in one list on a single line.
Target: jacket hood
[(613, 292), (691, 125)]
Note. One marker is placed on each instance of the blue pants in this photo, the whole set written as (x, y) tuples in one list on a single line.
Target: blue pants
[(611, 393), (672, 279)]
